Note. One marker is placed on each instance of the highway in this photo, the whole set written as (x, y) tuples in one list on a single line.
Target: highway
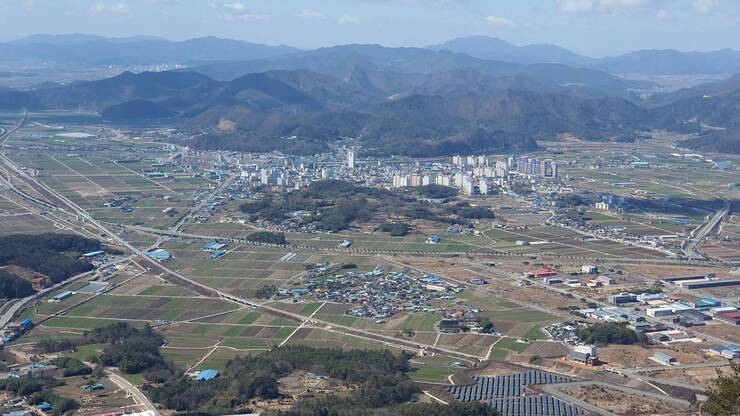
[(699, 234)]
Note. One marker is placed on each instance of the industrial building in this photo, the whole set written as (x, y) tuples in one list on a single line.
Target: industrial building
[(726, 351), (659, 312), (707, 303), (664, 358), (623, 299), (675, 279), (584, 354), (703, 284), (729, 317)]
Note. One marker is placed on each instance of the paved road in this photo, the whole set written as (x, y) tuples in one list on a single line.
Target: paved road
[(702, 232), (139, 397)]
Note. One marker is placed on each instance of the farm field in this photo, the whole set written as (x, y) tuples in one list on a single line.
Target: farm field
[(91, 181)]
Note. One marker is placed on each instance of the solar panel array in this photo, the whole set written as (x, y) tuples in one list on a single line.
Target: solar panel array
[(506, 394), (502, 387), (535, 406)]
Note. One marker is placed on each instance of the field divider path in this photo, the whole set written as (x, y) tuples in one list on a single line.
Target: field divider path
[(95, 184), (139, 174), (302, 325), (205, 357)]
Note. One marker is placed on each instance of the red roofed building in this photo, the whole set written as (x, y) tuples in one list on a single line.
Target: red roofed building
[(732, 317), (545, 272)]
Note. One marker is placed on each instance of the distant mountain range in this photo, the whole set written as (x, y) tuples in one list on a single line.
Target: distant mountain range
[(647, 62), (497, 49), (87, 50), (301, 111), (468, 95), (81, 50)]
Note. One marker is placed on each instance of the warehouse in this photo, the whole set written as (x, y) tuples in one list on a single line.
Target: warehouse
[(658, 312), (693, 314), (729, 317), (710, 283), (664, 358), (675, 279), (622, 299), (707, 303)]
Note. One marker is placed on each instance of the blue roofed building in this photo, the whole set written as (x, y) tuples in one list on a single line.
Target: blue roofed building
[(707, 303), (206, 375)]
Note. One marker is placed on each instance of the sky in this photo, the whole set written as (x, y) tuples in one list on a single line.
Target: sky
[(593, 27)]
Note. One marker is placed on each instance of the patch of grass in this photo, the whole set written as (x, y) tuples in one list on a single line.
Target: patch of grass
[(249, 318), (244, 343), (283, 322), (135, 379), (535, 334), (512, 344), (81, 323), (283, 333), (499, 354), (344, 320), (310, 309), (152, 290)]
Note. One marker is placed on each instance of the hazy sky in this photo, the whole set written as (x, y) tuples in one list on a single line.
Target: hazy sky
[(595, 27)]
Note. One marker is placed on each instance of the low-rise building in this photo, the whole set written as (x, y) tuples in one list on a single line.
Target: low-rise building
[(664, 358), (584, 354), (659, 312)]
